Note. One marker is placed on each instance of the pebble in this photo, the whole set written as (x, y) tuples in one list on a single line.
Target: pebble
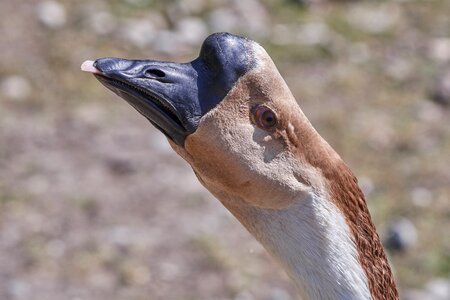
[(440, 92), (421, 197), (51, 14), (435, 289), (168, 42), (100, 280), (439, 288), (120, 236), (278, 294), (281, 34), (143, 32), (192, 31), (416, 294), (313, 34), (374, 18), (19, 289), (429, 112), (401, 235), (439, 49), (139, 33), (140, 275), (102, 23), (400, 69), (169, 271), (254, 15), (223, 19), (15, 87)]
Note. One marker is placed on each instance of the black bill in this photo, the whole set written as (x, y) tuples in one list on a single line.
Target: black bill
[(174, 96)]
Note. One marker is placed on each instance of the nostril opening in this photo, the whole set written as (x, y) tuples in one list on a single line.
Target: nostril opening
[(155, 73)]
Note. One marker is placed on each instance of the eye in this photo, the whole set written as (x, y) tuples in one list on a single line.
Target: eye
[(264, 117)]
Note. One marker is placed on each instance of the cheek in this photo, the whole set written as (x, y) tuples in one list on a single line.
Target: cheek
[(245, 163), (217, 156)]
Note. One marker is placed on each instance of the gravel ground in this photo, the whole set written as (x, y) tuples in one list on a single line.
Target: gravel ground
[(94, 204)]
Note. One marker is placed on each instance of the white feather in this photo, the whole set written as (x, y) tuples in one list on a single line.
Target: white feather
[(312, 242)]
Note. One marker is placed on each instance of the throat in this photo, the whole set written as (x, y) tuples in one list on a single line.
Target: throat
[(312, 242)]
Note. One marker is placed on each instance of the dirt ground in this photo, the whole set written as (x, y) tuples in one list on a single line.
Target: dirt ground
[(95, 205)]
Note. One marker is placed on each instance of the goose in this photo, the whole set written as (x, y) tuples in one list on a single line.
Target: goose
[(231, 116)]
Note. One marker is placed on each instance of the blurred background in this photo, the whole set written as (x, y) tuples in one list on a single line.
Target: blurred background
[(95, 205)]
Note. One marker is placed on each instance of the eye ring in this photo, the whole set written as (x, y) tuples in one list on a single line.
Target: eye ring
[(264, 117)]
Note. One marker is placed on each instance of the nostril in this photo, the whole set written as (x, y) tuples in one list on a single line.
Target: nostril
[(112, 64), (155, 73)]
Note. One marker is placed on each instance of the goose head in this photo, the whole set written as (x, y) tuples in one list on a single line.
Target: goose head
[(228, 113), (231, 116)]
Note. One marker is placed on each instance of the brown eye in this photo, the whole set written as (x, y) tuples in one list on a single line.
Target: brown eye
[(264, 117)]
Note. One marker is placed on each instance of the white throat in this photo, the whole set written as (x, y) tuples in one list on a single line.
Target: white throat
[(312, 242)]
